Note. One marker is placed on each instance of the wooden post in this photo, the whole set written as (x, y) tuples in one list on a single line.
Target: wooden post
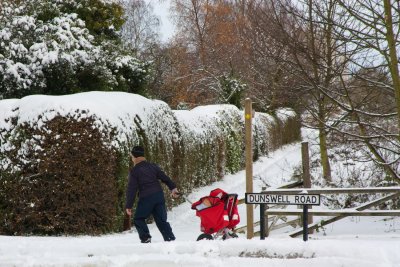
[(306, 174), (248, 112), (264, 231), (265, 208), (262, 222)]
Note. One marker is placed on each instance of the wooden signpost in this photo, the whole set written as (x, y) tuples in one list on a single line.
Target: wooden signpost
[(248, 114)]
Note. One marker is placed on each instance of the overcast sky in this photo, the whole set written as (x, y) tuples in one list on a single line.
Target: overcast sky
[(161, 9)]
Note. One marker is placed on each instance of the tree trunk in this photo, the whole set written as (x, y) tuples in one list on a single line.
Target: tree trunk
[(326, 166), (393, 58)]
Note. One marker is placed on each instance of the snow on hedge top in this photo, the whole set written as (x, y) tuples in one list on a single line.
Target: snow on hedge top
[(284, 113), (106, 105), (203, 118), (117, 108), (110, 106), (120, 110)]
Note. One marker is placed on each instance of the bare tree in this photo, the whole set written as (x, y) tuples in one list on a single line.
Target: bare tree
[(141, 28), (371, 33), (271, 80), (209, 30), (302, 45), (345, 54), (373, 27)]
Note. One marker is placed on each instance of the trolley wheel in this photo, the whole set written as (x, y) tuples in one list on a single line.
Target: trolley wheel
[(205, 237), (229, 235)]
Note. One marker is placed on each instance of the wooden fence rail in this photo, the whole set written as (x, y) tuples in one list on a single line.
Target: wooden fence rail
[(333, 190), (338, 214), (345, 212), (337, 218)]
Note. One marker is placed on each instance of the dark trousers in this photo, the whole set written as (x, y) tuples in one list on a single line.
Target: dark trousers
[(155, 205)]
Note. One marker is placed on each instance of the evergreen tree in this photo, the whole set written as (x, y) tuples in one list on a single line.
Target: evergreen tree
[(62, 47), (231, 90)]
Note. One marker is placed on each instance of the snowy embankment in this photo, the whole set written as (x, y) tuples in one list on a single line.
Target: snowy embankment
[(123, 251), (355, 242)]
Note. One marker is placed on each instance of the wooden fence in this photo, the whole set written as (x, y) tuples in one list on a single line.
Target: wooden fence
[(394, 192)]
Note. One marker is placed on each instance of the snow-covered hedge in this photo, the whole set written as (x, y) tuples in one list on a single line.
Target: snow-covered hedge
[(211, 143), (64, 160)]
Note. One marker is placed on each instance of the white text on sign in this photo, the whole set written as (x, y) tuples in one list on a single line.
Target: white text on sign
[(301, 199)]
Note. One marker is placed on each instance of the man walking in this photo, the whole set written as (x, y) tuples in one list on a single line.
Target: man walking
[(144, 179)]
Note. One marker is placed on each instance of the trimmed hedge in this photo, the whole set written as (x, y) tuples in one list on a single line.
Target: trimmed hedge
[(64, 180), (64, 166)]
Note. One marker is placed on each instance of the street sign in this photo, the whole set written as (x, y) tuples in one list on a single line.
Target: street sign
[(299, 199)]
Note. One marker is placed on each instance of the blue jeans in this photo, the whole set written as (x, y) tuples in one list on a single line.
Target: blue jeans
[(155, 205)]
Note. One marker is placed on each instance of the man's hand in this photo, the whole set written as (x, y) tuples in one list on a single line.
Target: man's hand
[(175, 193), (129, 212)]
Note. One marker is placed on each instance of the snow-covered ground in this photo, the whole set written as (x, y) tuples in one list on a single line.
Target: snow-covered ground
[(355, 241)]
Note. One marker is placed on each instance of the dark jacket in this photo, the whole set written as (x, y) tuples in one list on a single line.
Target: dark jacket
[(144, 178)]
